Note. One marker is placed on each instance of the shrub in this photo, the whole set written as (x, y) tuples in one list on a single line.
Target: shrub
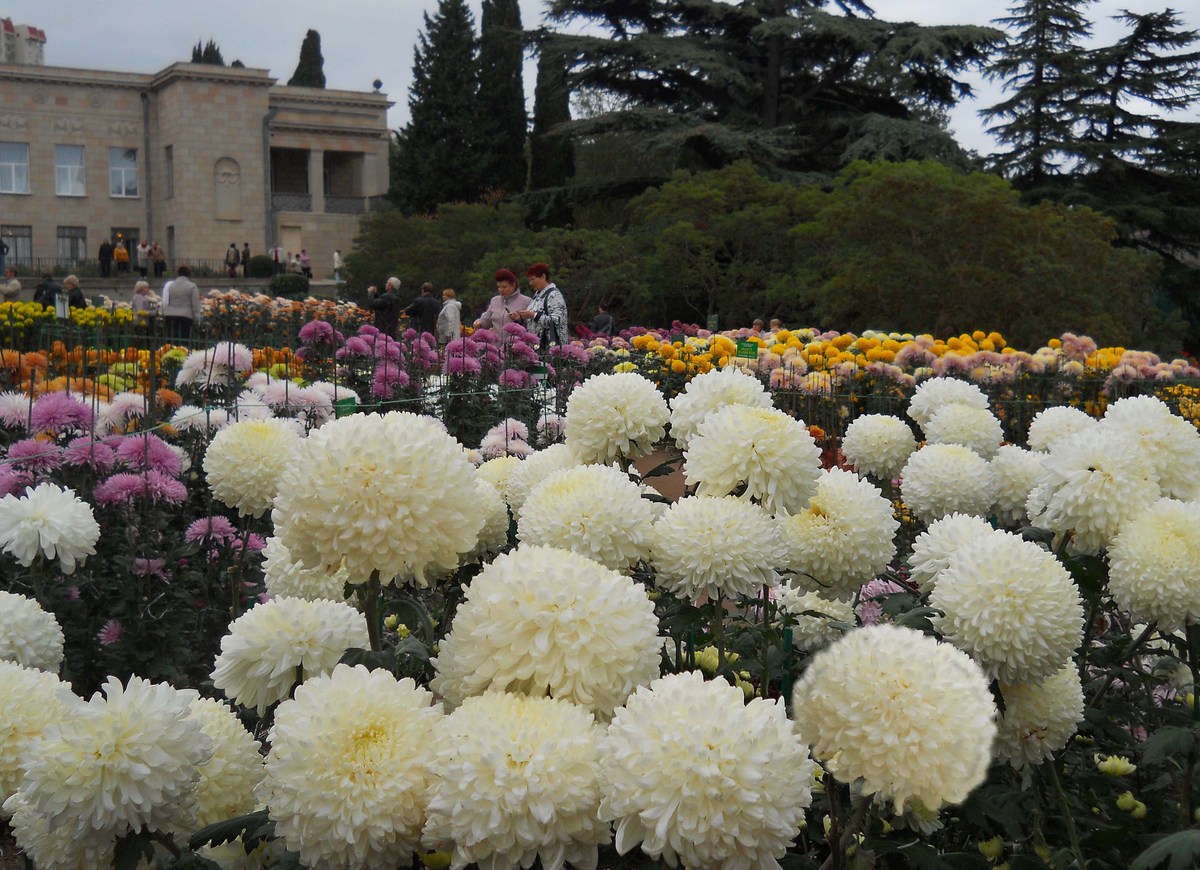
[(261, 266), (291, 286)]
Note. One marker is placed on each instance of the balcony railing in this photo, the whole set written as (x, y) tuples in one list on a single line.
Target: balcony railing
[(344, 204), (291, 201)]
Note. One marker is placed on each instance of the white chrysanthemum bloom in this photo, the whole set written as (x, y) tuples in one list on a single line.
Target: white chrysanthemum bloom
[(391, 493), (878, 445), (843, 539), (57, 848), (245, 461), (977, 429), (942, 479), (703, 394), (1053, 423), (763, 449), (346, 781), (51, 521), (615, 416), (1152, 564), (498, 471), (715, 546), (1170, 444), (533, 470), (267, 644), (910, 717), (812, 633), (1017, 473), (543, 621), (29, 701), (515, 779), (125, 762), (937, 393), (1091, 483), (190, 418), (937, 545), (1012, 606), (494, 535), (703, 779), (231, 774), (29, 635), (1039, 718), (287, 578), (593, 510)]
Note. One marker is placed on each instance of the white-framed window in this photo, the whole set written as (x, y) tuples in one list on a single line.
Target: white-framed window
[(122, 172), (68, 170), (72, 244), (20, 243), (14, 167)]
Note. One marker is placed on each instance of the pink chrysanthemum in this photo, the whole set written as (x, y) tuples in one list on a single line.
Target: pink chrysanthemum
[(214, 528), (460, 364), (35, 456), (514, 379), (59, 412), (121, 489), (86, 452), (110, 633), (13, 482), (14, 410), (147, 451)]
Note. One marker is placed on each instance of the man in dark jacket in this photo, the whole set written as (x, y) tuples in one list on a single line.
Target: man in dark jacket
[(424, 310), (386, 305), (105, 257), (45, 292)]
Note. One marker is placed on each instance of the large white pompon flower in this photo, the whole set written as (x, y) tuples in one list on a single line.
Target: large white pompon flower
[(937, 393), (703, 394), (937, 545), (346, 781), (533, 470), (878, 445), (231, 774), (843, 539), (515, 779), (1017, 473), (57, 848), (494, 535), (703, 779), (391, 493), (1039, 718), (29, 635), (1091, 483), (267, 644), (542, 621), (498, 472), (615, 416), (51, 521), (245, 461), (1053, 423), (119, 763), (593, 510), (975, 428), (1170, 443), (942, 479), (910, 717), (812, 633), (30, 700), (287, 578), (1152, 564), (1011, 606), (770, 454), (716, 546)]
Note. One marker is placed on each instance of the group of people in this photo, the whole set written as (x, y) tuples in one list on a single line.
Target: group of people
[(145, 256), (292, 264), (442, 320)]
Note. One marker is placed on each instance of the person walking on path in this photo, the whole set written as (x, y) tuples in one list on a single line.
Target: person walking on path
[(424, 310), (386, 305), (602, 323), (180, 305), (449, 322), (245, 258), (232, 260), (105, 256)]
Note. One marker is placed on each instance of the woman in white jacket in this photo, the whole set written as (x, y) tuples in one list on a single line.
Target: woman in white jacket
[(449, 322)]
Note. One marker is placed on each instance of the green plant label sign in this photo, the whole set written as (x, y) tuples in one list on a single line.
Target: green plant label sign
[(345, 407), (538, 372), (747, 350), (714, 322)]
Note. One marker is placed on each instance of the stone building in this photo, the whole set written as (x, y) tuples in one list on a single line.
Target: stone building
[(194, 157)]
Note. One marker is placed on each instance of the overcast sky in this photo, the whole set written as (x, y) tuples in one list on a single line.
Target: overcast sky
[(364, 40)]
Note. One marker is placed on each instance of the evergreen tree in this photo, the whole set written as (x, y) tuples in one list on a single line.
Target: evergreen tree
[(551, 152), (208, 53), (502, 119), (310, 70)]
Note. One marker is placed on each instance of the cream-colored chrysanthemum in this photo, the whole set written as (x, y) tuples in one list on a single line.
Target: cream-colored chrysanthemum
[(812, 633), (977, 429), (878, 445), (120, 763), (287, 578), (942, 479), (245, 461), (716, 546), (57, 848), (843, 539), (703, 394), (1050, 424), (346, 780), (541, 621), (1017, 473), (515, 779), (391, 493), (1152, 564), (593, 510), (269, 643), (533, 470), (615, 416), (29, 701), (1011, 606), (1170, 443), (1039, 718), (29, 635), (498, 472), (910, 717), (1091, 483), (494, 535), (937, 393), (759, 453), (703, 779), (51, 521), (937, 545), (231, 774)]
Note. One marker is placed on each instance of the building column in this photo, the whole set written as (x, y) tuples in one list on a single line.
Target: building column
[(316, 180)]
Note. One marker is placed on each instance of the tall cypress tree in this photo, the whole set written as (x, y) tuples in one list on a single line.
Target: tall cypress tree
[(502, 119), (551, 151), (208, 53), (310, 70)]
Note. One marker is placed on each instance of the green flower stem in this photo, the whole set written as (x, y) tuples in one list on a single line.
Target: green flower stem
[(370, 594), (766, 639), (1072, 833)]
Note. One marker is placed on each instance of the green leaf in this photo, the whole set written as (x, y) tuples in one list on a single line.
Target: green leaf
[(132, 849), (1172, 740), (372, 660), (1178, 852), (228, 830)]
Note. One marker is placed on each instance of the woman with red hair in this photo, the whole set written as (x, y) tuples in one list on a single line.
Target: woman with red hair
[(505, 306), (547, 313)]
